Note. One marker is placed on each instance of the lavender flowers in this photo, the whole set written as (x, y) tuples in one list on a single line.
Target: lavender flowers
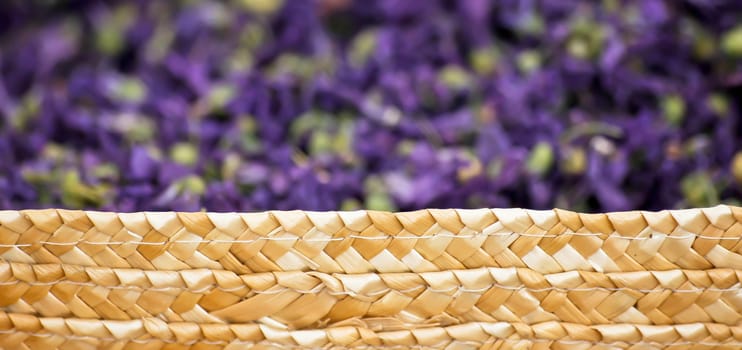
[(393, 105)]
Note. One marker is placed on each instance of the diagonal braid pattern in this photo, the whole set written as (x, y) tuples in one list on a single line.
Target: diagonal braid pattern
[(367, 241), (155, 333), (301, 300), (487, 278)]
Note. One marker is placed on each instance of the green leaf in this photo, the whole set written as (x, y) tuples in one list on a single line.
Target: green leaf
[(351, 204), (380, 201), (78, 195), (220, 95), (362, 48), (529, 61), (130, 90), (699, 190), (377, 196), (494, 169), (249, 141), (719, 104), (106, 171), (540, 159), (673, 108), (484, 60), (193, 184), (109, 40), (262, 7), (454, 77), (321, 142), (579, 48), (184, 153), (26, 112), (575, 161), (731, 42), (231, 165), (533, 24)]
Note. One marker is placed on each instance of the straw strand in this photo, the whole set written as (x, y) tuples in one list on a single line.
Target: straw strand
[(486, 278), (484, 294), (16, 329), (365, 241)]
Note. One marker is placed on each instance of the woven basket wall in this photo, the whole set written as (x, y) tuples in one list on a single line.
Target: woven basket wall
[(457, 279)]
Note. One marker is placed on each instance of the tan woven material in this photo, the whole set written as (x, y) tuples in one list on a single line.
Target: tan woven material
[(449, 297), (359, 242), (500, 278), (154, 333)]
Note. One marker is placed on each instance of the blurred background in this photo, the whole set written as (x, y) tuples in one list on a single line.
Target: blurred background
[(253, 105)]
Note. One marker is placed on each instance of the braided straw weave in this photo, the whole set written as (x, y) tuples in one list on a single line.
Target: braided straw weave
[(499, 278)]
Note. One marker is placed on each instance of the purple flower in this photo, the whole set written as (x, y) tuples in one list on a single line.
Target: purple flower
[(392, 105)]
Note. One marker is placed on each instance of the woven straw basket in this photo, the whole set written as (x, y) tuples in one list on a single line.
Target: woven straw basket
[(458, 279)]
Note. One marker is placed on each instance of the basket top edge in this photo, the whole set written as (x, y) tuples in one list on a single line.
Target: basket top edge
[(722, 207)]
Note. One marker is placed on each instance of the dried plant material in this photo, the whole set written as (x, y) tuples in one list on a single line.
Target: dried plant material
[(502, 278)]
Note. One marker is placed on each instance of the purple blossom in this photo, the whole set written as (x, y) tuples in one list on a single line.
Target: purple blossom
[(391, 105)]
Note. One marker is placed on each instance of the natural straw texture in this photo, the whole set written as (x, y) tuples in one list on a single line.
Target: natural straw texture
[(299, 300), (500, 278), (154, 333)]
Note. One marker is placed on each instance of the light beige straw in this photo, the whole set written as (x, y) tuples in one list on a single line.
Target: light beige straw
[(366, 241), (299, 300), (21, 329), (489, 278)]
